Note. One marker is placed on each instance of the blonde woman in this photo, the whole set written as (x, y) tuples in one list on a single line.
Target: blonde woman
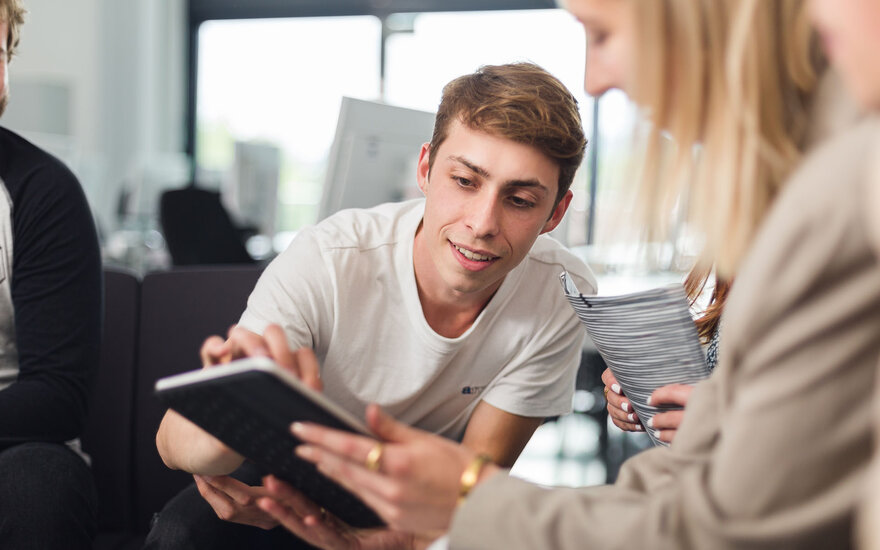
[(746, 160), (851, 32), (773, 447)]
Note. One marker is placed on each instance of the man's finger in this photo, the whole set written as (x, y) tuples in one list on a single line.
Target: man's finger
[(244, 343), (276, 342), (673, 394), (238, 491), (214, 350), (309, 369), (221, 503)]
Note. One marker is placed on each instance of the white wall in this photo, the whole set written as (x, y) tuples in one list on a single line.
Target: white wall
[(122, 62)]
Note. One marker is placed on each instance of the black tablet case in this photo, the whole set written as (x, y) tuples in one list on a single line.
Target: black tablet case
[(251, 413)]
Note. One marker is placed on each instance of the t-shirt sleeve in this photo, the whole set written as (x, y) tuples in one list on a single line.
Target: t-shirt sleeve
[(57, 297), (296, 292)]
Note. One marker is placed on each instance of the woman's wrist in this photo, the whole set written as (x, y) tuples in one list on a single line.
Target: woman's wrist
[(478, 470)]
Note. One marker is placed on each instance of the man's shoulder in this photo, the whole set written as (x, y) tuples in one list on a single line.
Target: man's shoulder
[(367, 228), (549, 255)]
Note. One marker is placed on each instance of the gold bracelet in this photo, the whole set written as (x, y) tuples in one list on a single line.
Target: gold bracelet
[(470, 476)]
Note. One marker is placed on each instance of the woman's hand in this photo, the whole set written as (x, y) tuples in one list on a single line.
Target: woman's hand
[(667, 422), (320, 528), (620, 408), (412, 481)]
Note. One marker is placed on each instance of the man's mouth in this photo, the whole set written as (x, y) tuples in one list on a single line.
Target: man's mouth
[(474, 256)]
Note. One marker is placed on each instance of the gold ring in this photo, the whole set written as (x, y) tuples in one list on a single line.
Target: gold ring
[(605, 393), (373, 457)]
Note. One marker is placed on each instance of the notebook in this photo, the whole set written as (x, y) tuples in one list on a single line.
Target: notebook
[(648, 340), (249, 405)]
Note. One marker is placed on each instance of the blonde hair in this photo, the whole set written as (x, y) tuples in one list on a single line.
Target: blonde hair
[(734, 79)]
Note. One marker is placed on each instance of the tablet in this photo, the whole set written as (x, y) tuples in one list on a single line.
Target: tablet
[(249, 405)]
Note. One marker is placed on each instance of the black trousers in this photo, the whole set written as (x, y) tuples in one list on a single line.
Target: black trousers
[(187, 522), (47, 498)]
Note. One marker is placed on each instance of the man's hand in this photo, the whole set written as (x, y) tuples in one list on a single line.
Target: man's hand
[(183, 445), (234, 501), (272, 343), (320, 528), (620, 408), (667, 422)]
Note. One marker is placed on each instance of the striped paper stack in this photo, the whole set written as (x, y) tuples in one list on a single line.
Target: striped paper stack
[(648, 340)]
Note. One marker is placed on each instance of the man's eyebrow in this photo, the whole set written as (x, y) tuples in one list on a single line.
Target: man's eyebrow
[(532, 183), (479, 170)]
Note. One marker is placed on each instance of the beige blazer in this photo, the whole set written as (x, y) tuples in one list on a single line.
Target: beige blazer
[(774, 447), (870, 514)]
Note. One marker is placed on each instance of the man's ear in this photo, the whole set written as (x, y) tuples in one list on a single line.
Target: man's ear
[(424, 167), (558, 213)]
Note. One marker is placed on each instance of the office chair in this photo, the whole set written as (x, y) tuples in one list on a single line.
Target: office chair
[(198, 229)]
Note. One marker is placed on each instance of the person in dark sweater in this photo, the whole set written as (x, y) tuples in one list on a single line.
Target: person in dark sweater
[(50, 329)]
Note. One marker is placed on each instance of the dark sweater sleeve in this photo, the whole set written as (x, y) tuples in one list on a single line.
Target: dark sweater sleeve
[(57, 297)]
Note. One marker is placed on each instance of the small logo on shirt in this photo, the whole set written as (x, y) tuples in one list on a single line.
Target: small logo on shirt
[(471, 390)]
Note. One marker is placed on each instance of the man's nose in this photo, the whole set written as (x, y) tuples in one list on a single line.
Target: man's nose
[(484, 218)]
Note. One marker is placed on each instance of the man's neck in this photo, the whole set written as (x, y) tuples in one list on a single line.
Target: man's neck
[(450, 318), (448, 312)]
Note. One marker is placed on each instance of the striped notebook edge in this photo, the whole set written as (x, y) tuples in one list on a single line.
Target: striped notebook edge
[(648, 340)]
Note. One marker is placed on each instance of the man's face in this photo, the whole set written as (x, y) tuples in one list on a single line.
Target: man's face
[(850, 31), (487, 200), (4, 59)]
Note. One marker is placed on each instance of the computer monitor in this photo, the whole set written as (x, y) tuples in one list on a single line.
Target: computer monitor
[(374, 155), (251, 195)]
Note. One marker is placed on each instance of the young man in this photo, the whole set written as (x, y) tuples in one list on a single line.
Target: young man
[(447, 311), (50, 330)]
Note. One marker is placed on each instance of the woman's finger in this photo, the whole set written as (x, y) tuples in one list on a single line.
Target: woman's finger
[(673, 394)]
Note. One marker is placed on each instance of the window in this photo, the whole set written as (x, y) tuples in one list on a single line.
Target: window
[(279, 82)]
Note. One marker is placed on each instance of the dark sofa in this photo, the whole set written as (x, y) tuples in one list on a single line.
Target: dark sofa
[(153, 327)]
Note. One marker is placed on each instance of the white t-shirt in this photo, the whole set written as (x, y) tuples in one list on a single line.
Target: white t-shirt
[(347, 289)]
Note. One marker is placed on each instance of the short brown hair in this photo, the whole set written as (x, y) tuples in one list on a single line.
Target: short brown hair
[(12, 13), (521, 102)]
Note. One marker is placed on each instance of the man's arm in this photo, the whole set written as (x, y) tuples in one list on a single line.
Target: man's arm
[(184, 446), (499, 434), (56, 294)]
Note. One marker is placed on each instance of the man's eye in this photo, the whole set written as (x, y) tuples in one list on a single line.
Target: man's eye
[(520, 202), (464, 182)]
